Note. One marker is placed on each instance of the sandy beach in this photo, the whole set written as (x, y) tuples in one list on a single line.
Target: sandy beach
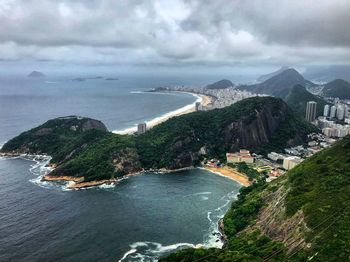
[(230, 173), (203, 99)]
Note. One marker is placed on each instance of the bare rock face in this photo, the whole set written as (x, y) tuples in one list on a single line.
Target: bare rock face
[(126, 161), (256, 133), (273, 222)]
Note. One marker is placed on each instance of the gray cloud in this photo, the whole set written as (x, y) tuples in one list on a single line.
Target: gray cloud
[(175, 32)]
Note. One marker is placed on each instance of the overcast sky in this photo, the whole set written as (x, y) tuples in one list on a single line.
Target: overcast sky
[(172, 34)]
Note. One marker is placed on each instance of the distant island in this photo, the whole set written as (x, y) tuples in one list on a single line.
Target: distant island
[(36, 74), (112, 78)]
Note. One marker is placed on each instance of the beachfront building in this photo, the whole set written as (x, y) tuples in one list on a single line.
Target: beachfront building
[(290, 162), (241, 156), (198, 106), (141, 128)]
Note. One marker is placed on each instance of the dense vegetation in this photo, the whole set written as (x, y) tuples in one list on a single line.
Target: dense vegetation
[(319, 188), (61, 138), (184, 136), (83, 147), (242, 167), (299, 96), (337, 88), (96, 161)]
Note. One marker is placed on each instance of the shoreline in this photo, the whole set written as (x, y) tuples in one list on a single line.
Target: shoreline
[(203, 99), (231, 174)]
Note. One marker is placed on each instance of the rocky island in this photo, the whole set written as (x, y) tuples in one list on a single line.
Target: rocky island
[(83, 150), (36, 74)]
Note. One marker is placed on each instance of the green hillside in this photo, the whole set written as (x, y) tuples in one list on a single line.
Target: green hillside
[(337, 88), (299, 96), (304, 215), (82, 147)]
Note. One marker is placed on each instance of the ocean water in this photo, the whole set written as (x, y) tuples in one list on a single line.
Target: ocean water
[(140, 219)]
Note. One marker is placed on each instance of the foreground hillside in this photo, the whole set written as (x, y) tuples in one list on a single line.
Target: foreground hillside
[(83, 148), (302, 216)]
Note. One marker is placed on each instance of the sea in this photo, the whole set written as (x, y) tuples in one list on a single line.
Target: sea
[(141, 218)]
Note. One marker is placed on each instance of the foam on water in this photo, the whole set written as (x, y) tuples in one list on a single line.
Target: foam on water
[(151, 251)]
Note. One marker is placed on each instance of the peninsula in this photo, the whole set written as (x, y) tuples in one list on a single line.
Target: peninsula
[(82, 149)]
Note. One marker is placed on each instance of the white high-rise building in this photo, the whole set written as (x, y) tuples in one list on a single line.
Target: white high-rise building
[(311, 111), (326, 111), (141, 128), (333, 112), (340, 112)]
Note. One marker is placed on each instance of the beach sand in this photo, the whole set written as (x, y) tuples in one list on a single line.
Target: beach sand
[(230, 173), (203, 99)]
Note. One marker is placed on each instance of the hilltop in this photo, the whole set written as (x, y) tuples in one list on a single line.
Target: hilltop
[(337, 88), (222, 84), (261, 124), (279, 85), (36, 74), (263, 78), (297, 98), (304, 215)]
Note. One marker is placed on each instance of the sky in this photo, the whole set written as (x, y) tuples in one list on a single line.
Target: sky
[(194, 35)]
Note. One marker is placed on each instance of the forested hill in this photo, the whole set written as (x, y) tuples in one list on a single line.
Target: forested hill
[(260, 124), (302, 216), (82, 147), (337, 88), (298, 97)]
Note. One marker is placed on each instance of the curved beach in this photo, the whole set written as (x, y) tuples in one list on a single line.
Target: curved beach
[(203, 99)]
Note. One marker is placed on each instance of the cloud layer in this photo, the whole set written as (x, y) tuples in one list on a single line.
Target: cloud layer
[(176, 33)]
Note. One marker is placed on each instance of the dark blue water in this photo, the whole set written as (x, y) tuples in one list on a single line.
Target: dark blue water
[(27, 102), (141, 218)]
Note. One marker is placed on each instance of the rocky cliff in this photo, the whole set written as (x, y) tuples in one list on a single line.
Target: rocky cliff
[(259, 124)]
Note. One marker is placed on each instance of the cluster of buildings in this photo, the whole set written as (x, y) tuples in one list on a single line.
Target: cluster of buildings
[(335, 121), (221, 97)]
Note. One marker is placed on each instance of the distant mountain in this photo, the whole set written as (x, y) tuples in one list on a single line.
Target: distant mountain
[(280, 85), (297, 98), (337, 88), (267, 76), (327, 73), (222, 84), (36, 74)]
